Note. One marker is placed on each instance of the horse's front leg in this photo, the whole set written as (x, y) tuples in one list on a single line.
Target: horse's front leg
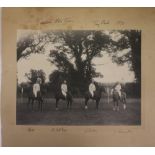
[(117, 105), (28, 103), (86, 103), (41, 104), (124, 103), (32, 103), (70, 103), (67, 103), (38, 100), (57, 100), (114, 106), (97, 103)]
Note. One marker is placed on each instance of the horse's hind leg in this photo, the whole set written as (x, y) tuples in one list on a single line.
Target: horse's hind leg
[(86, 103), (57, 103), (41, 104), (38, 103), (97, 104), (114, 106), (117, 105), (28, 103), (70, 103), (124, 103), (32, 103)]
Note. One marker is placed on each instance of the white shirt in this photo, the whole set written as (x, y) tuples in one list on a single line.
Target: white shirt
[(92, 87), (36, 88), (64, 89), (118, 87)]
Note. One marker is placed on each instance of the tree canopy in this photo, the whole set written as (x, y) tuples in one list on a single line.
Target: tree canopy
[(75, 51), (34, 74)]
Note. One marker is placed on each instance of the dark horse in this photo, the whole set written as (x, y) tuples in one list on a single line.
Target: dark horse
[(32, 99), (117, 98), (96, 97), (68, 99)]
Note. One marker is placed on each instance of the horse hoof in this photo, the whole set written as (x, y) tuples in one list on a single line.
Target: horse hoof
[(86, 107)]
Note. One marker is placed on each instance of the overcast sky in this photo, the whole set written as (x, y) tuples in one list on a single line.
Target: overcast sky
[(111, 71)]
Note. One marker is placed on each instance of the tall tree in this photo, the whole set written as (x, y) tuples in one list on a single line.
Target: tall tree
[(130, 40), (75, 55)]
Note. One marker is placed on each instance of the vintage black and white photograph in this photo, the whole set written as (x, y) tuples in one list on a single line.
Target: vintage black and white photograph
[(78, 77)]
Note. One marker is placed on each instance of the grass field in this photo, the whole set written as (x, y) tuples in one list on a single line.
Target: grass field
[(78, 115)]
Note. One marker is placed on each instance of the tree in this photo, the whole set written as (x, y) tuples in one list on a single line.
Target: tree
[(130, 40), (74, 56), (34, 74), (33, 43), (55, 79)]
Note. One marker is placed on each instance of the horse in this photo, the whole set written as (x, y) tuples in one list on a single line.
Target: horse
[(68, 99), (32, 99), (117, 98), (96, 97)]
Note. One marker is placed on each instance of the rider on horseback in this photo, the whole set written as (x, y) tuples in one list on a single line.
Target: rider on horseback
[(64, 94), (36, 87), (92, 88), (119, 94), (64, 89), (118, 88)]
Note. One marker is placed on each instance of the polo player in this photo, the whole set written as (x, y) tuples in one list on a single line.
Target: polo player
[(36, 87), (92, 88), (64, 88), (118, 88)]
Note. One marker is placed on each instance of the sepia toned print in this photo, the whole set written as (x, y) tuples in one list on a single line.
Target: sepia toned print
[(78, 77)]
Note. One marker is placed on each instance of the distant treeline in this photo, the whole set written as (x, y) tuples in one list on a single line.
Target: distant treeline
[(48, 90)]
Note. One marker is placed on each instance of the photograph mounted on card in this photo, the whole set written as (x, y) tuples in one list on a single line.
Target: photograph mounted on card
[(77, 73)]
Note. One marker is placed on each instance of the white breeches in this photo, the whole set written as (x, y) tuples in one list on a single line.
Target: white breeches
[(119, 92), (64, 93), (92, 93), (35, 93)]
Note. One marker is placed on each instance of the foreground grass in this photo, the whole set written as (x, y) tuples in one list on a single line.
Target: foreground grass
[(78, 115)]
